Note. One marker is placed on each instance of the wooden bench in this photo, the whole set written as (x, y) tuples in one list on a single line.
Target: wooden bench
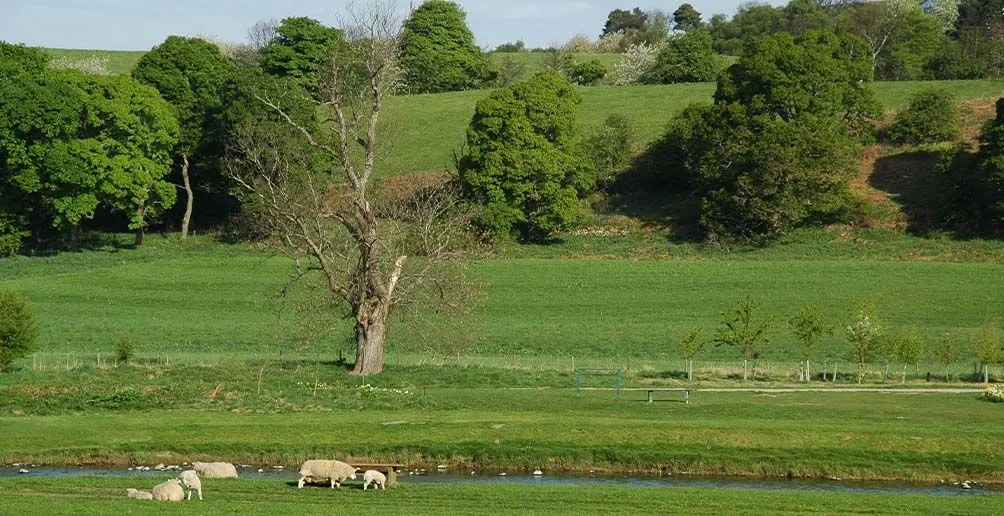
[(390, 470), (686, 394)]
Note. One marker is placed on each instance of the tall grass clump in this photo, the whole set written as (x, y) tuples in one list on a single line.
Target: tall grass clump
[(18, 328)]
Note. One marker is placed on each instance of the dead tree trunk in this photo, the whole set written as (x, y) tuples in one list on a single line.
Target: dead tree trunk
[(189, 197)]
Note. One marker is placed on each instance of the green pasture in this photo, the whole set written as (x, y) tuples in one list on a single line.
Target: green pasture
[(206, 298), (99, 496), (119, 61), (426, 130), (882, 436)]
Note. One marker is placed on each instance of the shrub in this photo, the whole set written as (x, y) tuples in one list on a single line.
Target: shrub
[(994, 394), (125, 349), (18, 328), (637, 61), (687, 57), (579, 43), (511, 46), (932, 116), (588, 73), (611, 147)]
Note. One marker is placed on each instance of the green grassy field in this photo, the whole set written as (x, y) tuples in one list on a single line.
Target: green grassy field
[(907, 436), (119, 61), (205, 298), (99, 496), (428, 129)]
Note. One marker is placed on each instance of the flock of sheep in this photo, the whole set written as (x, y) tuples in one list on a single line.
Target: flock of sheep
[(314, 471)]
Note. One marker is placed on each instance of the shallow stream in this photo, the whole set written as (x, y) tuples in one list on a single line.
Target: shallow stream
[(677, 481)]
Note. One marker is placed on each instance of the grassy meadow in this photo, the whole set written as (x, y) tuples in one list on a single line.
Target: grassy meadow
[(99, 496), (286, 419), (203, 297), (120, 62)]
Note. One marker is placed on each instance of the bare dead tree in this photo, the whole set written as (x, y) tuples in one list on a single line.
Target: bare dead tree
[(374, 249), (262, 33)]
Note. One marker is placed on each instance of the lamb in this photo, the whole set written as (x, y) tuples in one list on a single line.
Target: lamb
[(376, 478), (139, 495), (190, 480), (169, 491), (320, 470), (215, 469)]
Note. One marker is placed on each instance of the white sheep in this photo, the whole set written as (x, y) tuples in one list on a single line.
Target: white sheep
[(215, 469), (190, 480), (335, 471), (170, 491), (376, 478), (139, 495)]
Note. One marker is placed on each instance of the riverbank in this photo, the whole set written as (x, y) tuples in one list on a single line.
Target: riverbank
[(99, 496), (869, 436)]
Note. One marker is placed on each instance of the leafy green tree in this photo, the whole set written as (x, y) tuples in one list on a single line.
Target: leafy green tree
[(806, 15), (687, 57), (908, 349), (300, 47), (190, 75), (863, 331), (947, 353), (127, 140), (16, 59), (691, 345), (686, 18), (653, 32), (987, 348), (18, 328), (932, 116), (751, 22), (912, 49), (620, 20), (745, 329), (43, 170), (818, 74), (587, 73), (611, 146), (522, 163), (808, 326), (438, 51)]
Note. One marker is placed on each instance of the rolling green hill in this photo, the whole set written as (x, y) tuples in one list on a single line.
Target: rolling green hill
[(119, 61)]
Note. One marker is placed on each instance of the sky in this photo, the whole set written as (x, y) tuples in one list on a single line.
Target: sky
[(141, 24)]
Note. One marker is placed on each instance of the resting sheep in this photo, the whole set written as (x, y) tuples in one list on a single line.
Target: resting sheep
[(169, 491), (320, 470), (376, 478), (139, 495), (190, 480), (215, 469)]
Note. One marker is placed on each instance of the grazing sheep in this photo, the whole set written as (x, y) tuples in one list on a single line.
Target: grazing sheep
[(139, 495), (215, 469), (320, 470), (190, 479), (170, 491), (376, 478)]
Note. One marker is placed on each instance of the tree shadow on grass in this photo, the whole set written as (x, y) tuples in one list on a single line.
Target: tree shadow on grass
[(911, 180)]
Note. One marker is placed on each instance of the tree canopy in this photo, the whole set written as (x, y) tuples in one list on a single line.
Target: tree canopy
[(438, 50), (522, 163), (301, 45), (620, 20), (686, 18), (686, 57)]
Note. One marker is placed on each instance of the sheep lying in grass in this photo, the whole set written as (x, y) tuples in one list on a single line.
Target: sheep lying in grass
[(215, 469), (190, 480), (376, 478), (335, 471), (169, 491), (139, 495)]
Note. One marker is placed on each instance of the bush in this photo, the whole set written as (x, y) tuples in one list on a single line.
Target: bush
[(18, 328), (687, 57), (932, 116), (125, 349), (637, 61), (994, 394), (588, 73), (611, 147)]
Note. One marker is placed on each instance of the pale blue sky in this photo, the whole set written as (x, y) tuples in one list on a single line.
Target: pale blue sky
[(141, 24)]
